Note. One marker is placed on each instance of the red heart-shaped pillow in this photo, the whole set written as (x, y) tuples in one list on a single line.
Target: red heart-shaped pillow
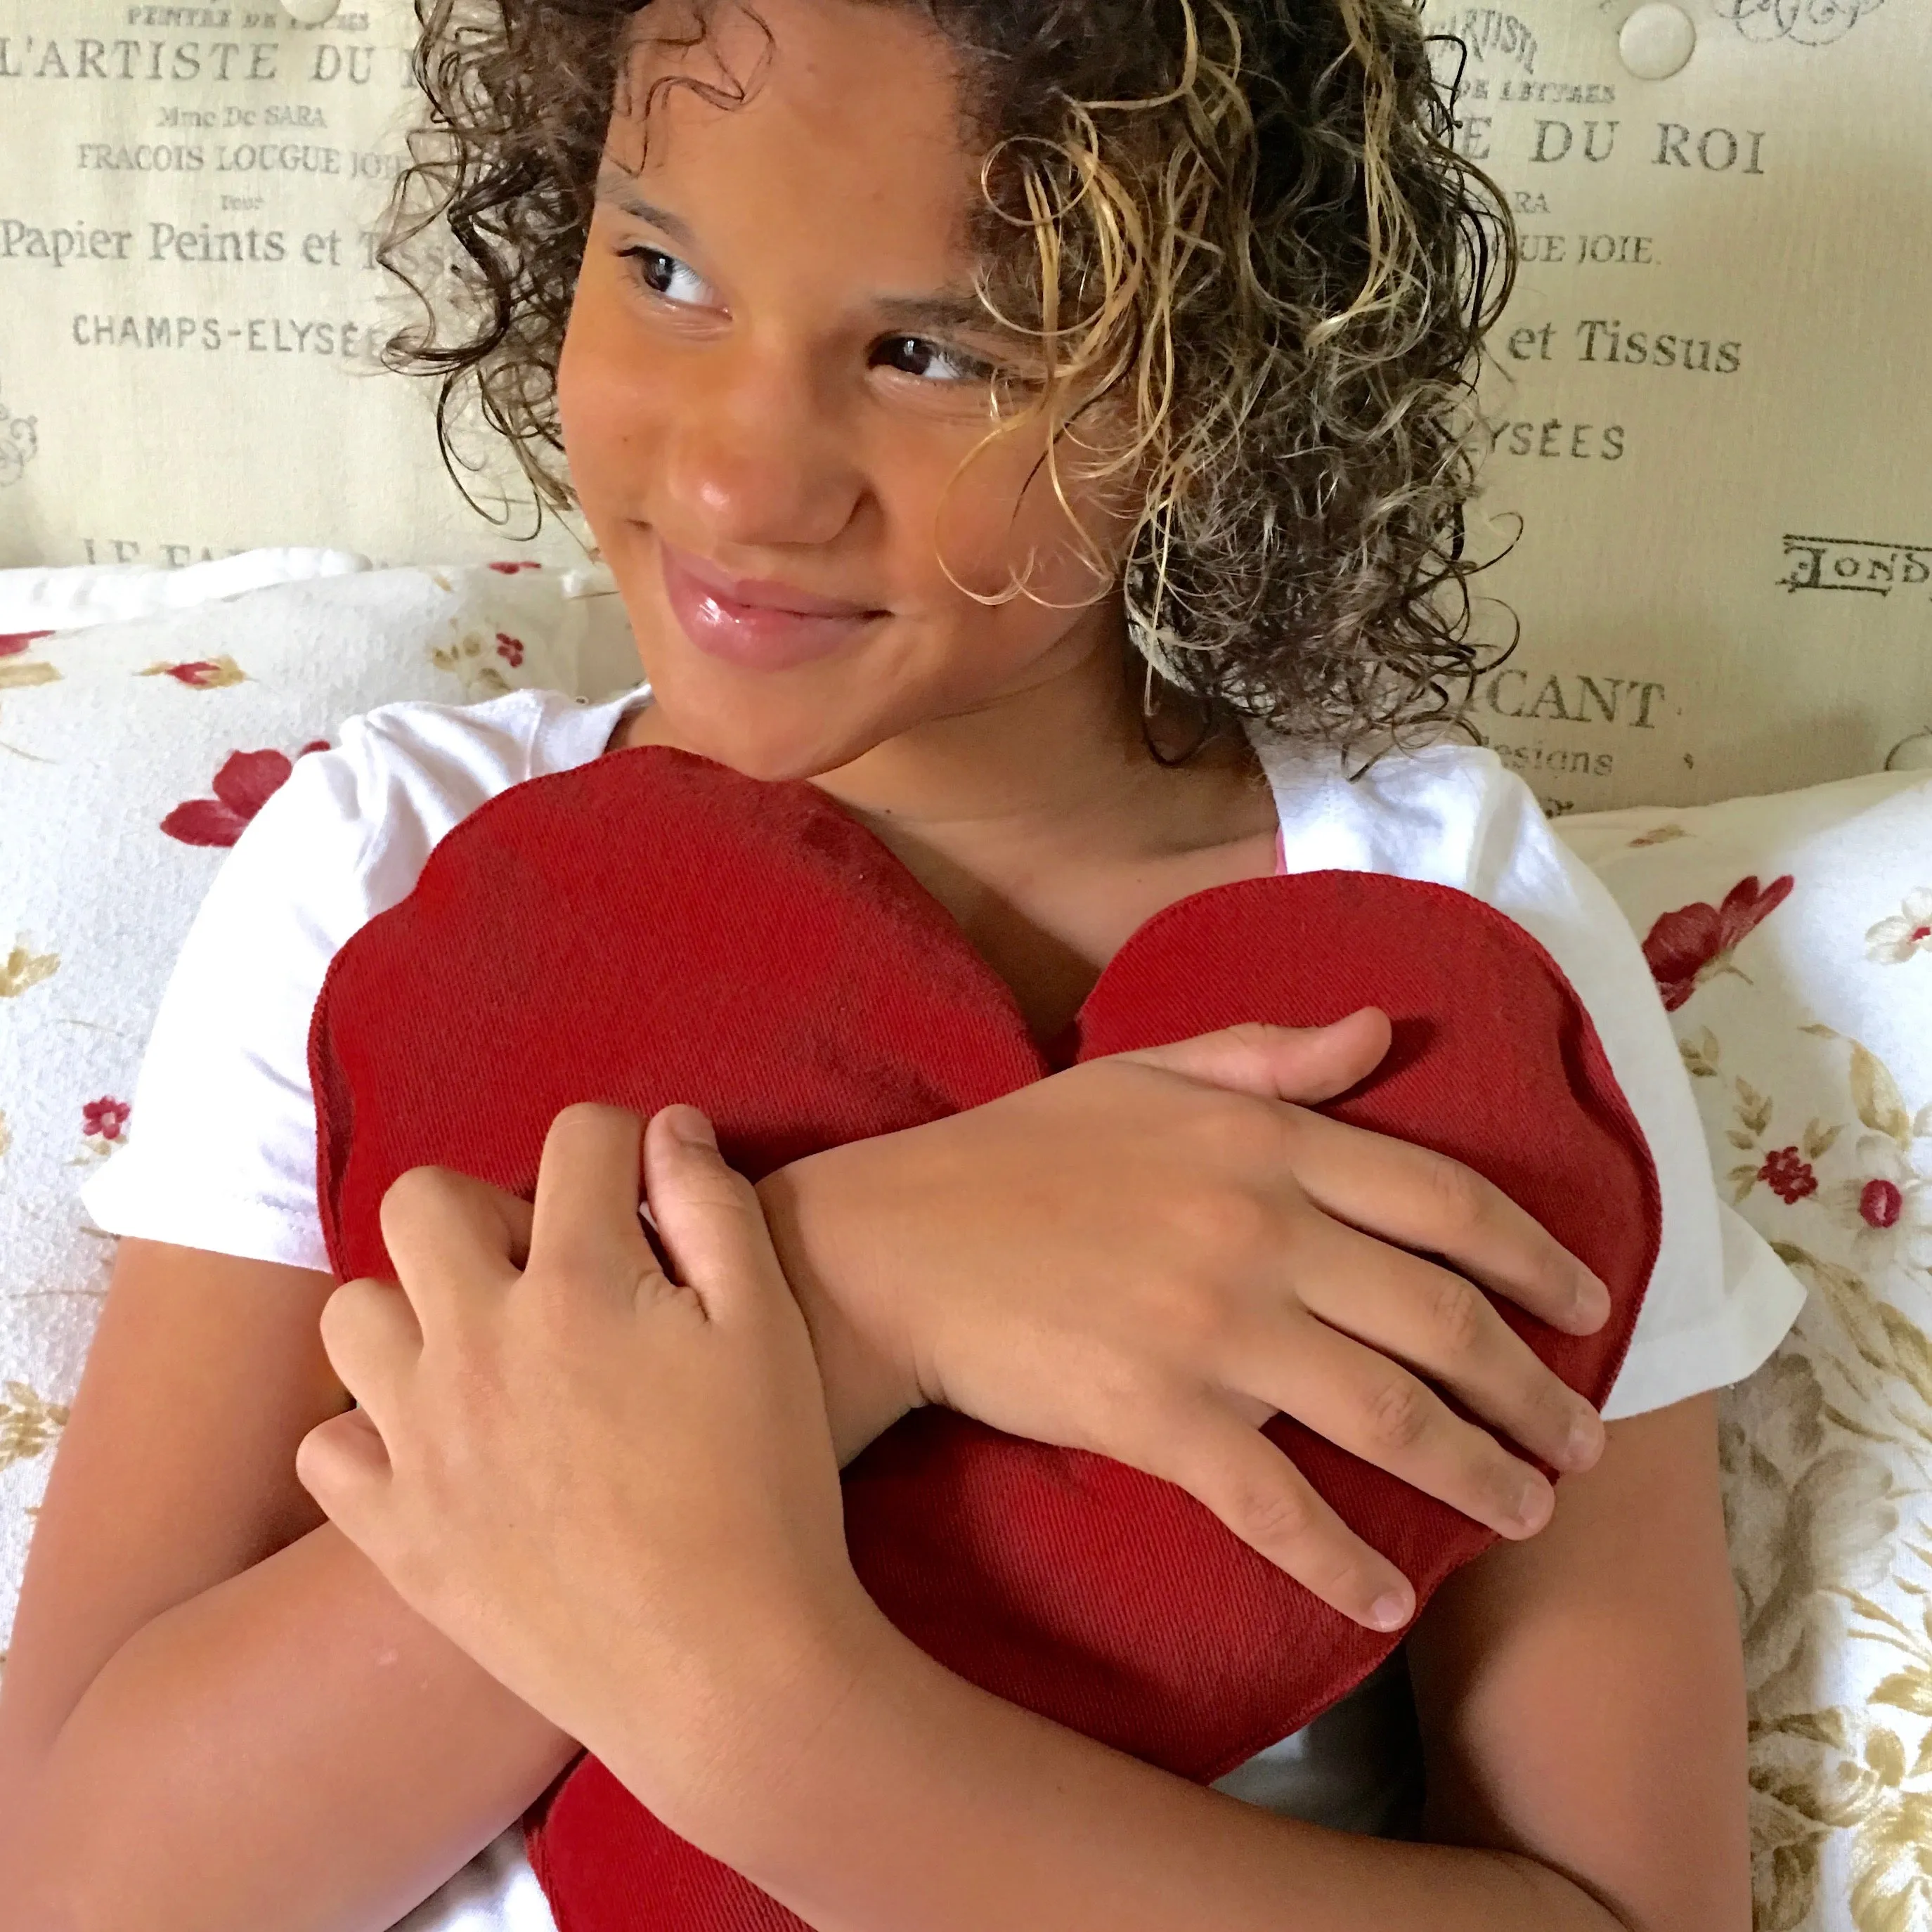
[(653, 928)]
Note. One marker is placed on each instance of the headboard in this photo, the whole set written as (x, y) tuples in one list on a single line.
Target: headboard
[(1710, 403), (190, 313), (1712, 395)]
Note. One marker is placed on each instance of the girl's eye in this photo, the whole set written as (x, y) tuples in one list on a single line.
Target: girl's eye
[(913, 356), (666, 277)]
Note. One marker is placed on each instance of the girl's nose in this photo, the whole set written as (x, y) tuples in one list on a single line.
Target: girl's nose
[(756, 460)]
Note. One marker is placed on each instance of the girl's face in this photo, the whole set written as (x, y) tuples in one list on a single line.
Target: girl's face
[(775, 368)]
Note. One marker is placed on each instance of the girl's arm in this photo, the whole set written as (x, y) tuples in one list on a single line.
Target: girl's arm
[(691, 1613), (1582, 1698), (217, 1717), (216, 1708)]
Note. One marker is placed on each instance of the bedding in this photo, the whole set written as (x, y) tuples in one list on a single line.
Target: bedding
[(1703, 430), (132, 753), (1827, 1447), (1792, 938)]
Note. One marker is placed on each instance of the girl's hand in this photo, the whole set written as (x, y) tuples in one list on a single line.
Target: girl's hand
[(615, 1491), (1149, 1255)]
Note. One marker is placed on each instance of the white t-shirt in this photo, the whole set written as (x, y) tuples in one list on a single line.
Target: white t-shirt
[(221, 1151)]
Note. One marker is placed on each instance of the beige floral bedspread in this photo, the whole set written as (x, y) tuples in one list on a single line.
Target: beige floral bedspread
[(1791, 940)]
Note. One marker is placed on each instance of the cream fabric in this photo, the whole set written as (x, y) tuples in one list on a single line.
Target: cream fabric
[(1707, 401), (189, 312), (131, 754), (1793, 936), (186, 311), (77, 597)]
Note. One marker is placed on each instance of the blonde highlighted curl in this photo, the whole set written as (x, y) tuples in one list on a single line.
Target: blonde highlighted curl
[(1238, 227)]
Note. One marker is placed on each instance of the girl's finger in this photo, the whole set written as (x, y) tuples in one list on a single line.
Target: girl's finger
[(584, 1223), (708, 1217), (373, 1339), (1276, 1063), (1442, 1327), (1423, 1200), (449, 1235), (1234, 1470), (344, 1464), (1375, 1409)]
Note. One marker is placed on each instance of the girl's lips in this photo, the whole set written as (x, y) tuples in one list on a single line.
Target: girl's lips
[(759, 628)]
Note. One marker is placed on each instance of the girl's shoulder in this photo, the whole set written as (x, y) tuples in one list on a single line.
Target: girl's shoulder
[(1719, 1299), (403, 774), (1448, 813), (223, 1152), (1451, 814)]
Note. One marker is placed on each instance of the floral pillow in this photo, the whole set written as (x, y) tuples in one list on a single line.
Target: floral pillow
[(1791, 941), (132, 753)]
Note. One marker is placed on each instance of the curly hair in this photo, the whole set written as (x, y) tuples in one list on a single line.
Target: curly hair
[(1241, 224)]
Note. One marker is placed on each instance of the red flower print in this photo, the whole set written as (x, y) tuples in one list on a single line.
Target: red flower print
[(509, 649), (1880, 1203), (511, 569), (13, 642), (242, 786), (1686, 947), (1788, 1176), (103, 1119), (201, 673), (1886, 1202)]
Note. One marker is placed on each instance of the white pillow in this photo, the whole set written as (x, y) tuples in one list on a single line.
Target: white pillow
[(1793, 937), (78, 596), (130, 754)]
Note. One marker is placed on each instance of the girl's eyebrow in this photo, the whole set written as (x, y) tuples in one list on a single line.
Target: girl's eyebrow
[(947, 309), (611, 191)]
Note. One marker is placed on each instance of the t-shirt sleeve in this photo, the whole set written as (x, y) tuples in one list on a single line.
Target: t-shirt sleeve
[(221, 1153), (1719, 1300)]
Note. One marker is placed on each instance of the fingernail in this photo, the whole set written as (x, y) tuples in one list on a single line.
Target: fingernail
[(1586, 1439), (693, 1130), (1593, 1301), (1390, 1612), (1533, 1505)]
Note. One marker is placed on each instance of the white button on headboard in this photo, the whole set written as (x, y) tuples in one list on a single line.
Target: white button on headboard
[(311, 13), (1656, 41)]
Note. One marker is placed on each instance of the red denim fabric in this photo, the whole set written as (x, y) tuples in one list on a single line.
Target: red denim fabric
[(652, 928)]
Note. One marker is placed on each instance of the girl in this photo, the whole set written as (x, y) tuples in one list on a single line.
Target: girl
[(1042, 427)]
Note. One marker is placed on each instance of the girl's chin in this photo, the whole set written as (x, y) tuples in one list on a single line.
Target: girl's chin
[(770, 749)]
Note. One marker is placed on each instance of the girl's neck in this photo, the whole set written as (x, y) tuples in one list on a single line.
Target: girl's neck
[(1043, 823), (1062, 769)]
